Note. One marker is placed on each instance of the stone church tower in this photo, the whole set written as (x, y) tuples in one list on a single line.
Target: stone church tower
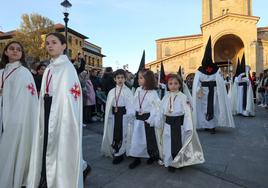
[(233, 30)]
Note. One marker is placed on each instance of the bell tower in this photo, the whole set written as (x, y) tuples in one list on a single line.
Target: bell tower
[(212, 9)]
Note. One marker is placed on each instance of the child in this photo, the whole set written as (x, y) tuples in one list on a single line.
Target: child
[(181, 146), (56, 159), (19, 102), (144, 140), (117, 117)]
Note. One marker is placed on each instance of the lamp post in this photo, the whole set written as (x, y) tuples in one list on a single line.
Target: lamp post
[(66, 5)]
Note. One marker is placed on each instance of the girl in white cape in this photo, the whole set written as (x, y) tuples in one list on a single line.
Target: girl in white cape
[(144, 134), (56, 160), (181, 146), (118, 115), (19, 102)]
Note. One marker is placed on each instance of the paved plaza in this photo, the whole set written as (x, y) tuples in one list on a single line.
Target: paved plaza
[(234, 158)]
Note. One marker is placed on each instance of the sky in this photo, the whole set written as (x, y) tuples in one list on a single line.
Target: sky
[(123, 28)]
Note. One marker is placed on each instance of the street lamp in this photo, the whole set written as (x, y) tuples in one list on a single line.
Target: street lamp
[(66, 5)]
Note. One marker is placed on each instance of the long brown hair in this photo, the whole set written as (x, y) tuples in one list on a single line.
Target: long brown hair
[(5, 59), (150, 81)]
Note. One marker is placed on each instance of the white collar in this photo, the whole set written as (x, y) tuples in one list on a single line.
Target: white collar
[(59, 60), (13, 65)]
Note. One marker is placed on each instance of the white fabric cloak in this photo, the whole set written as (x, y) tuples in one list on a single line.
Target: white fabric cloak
[(18, 117), (222, 108), (151, 104), (237, 97), (64, 149), (125, 99), (191, 152)]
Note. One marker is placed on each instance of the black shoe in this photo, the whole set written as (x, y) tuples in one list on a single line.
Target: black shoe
[(206, 129), (86, 172), (171, 169), (150, 161), (135, 163), (118, 159), (213, 131)]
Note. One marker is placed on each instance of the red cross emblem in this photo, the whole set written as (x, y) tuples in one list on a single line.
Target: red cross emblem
[(75, 91), (209, 69), (31, 88)]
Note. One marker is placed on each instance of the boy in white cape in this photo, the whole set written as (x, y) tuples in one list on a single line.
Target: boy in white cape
[(117, 117)]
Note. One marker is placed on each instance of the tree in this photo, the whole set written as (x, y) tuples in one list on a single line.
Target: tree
[(32, 33)]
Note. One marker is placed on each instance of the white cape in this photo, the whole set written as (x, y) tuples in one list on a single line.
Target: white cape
[(237, 97), (64, 149), (191, 152), (127, 98), (19, 109), (222, 107), (137, 137)]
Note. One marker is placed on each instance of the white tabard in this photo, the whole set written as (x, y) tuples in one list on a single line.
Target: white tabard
[(138, 146), (191, 152), (222, 108), (237, 97), (64, 148), (125, 99), (18, 117)]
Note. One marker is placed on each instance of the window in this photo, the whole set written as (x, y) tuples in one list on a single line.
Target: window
[(70, 53), (70, 39), (76, 41), (89, 60), (93, 61), (98, 63), (80, 43)]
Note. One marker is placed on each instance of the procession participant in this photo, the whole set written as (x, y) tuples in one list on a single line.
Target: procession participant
[(19, 102)]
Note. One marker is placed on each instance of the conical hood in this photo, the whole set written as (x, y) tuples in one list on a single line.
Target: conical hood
[(179, 72), (208, 67), (162, 74), (243, 65), (141, 67)]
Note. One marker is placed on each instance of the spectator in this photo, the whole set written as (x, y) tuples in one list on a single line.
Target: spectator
[(38, 76), (107, 81)]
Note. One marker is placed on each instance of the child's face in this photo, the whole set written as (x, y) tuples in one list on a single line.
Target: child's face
[(54, 46), (141, 80), (173, 85), (120, 79), (14, 52)]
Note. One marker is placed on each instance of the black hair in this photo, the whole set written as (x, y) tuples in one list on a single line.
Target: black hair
[(61, 38), (178, 78), (150, 81), (39, 66), (120, 72), (5, 59), (108, 69)]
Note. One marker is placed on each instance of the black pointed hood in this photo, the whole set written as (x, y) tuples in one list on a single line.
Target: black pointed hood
[(237, 69), (179, 72), (243, 65), (208, 67), (162, 74), (141, 67)]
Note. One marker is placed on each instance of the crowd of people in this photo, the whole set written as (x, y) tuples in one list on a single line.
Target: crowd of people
[(43, 111)]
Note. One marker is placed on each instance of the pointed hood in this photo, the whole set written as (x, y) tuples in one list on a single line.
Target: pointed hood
[(208, 67), (141, 67), (162, 74), (243, 65), (237, 69), (179, 72)]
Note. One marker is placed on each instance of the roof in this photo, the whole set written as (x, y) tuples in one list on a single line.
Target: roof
[(93, 52), (180, 37), (176, 54), (262, 29), (61, 28), (7, 35), (58, 27)]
